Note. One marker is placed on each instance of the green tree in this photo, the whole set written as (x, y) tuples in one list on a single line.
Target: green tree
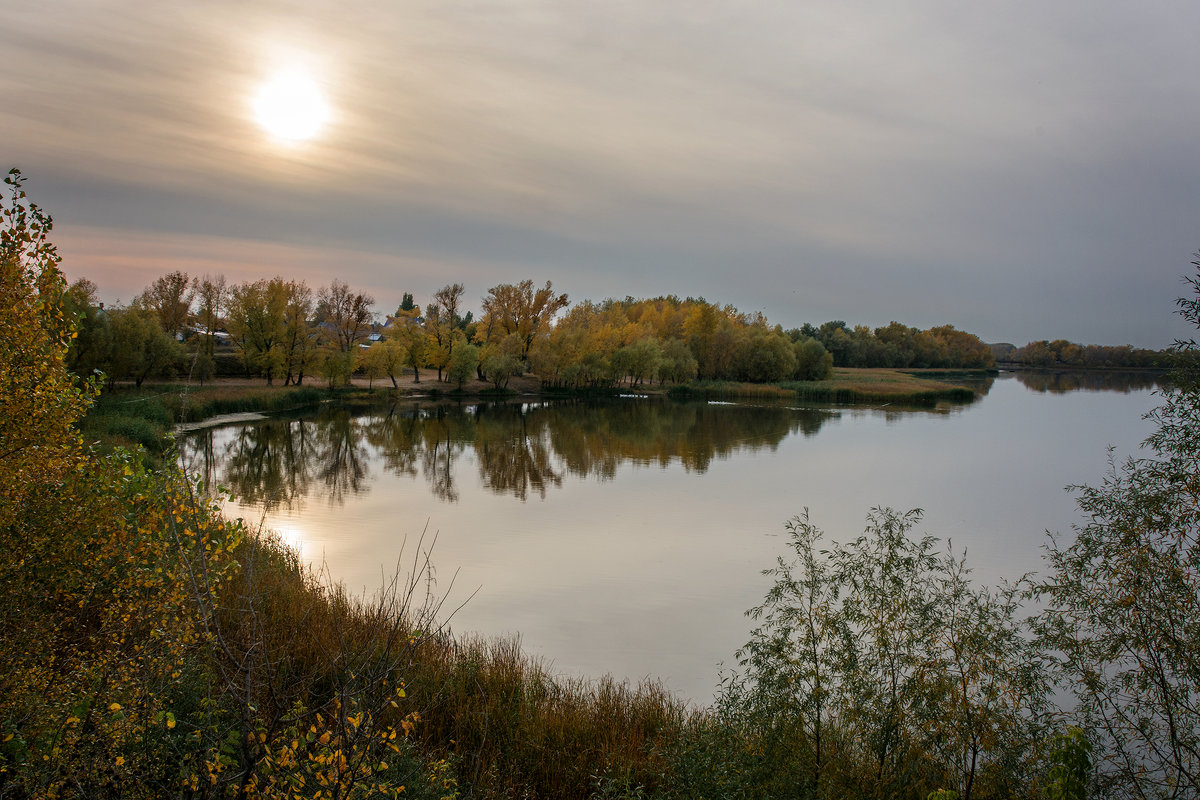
[(441, 326), (91, 349), (500, 361), (678, 363), (141, 348), (1123, 601), (437, 339), (1071, 774), (813, 361), (878, 670), (257, 318), (335, 365), (463, 362), (413, 346), (387, 358), (785, 698), (169, 297)]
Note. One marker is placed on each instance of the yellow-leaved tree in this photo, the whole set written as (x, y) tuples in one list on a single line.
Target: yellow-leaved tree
[(131, 663), (97, 620), (40, 400)]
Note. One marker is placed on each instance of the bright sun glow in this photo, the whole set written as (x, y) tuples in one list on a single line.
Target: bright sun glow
[(290, 106)]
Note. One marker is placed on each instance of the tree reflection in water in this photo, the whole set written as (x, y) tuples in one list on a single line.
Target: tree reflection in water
[(520, 449), (1061, 382)]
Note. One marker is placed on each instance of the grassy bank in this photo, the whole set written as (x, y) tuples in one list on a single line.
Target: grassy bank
[(126, 416), (846, 386)]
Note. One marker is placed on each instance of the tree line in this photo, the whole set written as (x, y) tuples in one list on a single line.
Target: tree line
[(1061, 353), (285, 330)]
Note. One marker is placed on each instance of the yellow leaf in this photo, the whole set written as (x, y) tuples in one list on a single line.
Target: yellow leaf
[(120, 760), (115, 707)]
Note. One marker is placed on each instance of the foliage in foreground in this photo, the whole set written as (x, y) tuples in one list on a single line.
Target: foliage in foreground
[(879, 670), (1123, 603), (143, 644)]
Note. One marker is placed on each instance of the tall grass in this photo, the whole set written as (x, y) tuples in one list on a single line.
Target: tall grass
[(517, 731), (729, 390), (819, 393), (508, 727)]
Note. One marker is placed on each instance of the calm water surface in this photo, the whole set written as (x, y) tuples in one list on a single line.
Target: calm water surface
[(628, 536)]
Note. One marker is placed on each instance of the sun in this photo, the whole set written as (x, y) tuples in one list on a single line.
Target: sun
[(289, 105)]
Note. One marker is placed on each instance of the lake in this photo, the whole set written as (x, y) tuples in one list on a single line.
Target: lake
[(627, 536)]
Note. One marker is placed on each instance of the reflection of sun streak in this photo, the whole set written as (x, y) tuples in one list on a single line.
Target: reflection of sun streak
[(291, 536)]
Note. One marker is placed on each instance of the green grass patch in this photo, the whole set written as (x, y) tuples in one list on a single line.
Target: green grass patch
[(729, 390)]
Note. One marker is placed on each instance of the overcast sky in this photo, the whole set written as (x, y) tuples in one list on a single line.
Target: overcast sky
[(1022, 170)]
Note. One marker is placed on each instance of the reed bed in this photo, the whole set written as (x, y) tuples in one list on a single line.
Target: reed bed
[(508, 727)]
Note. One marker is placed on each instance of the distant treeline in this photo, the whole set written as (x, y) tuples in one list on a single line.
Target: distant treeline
[(898, 346), (1061, 353)]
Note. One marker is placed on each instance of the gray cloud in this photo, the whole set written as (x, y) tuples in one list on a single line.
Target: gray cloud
[(1019, 170)]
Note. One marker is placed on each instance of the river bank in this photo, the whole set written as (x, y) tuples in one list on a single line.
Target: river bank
[(127, 415)]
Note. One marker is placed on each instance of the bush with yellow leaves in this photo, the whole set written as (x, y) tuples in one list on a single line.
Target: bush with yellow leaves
[(150, 648)]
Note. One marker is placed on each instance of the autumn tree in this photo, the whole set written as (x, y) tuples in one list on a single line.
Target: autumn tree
[(520, 309), (345, 314), (211, 294), (300, 338), (40, 399), (446, 302), (257, 319), (438, 338), (134, 666)]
